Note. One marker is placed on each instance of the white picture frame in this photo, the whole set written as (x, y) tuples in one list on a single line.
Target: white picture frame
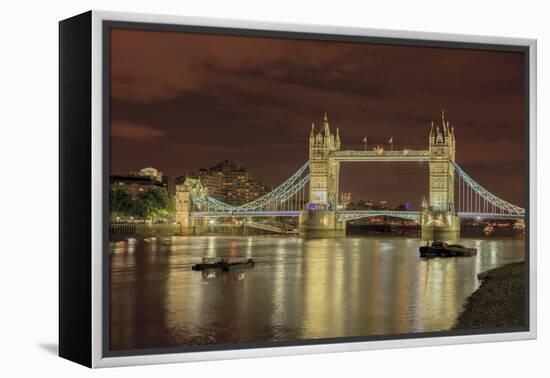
[(98, 356)]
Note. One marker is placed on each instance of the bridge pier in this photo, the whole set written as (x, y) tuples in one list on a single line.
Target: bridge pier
[(440, 225), (321, 224)]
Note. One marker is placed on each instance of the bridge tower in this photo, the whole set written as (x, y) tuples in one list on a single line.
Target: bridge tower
[(184, 206), (439, 218), (323, 171), (324, 176)]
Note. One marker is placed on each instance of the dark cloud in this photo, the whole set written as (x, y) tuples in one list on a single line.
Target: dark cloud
[(134, 131), (194, 99)]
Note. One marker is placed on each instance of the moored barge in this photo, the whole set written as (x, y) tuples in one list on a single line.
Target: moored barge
[(441, 249), (223, 263)]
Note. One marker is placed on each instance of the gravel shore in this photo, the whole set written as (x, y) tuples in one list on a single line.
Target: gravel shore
[(499, 302)]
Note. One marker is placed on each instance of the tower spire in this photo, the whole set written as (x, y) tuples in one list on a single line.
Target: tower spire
[(326, 128), (312, 133), (443, 123)]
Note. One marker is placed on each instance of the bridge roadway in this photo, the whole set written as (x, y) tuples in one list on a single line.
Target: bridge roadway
[(396, 156), (346, 214)]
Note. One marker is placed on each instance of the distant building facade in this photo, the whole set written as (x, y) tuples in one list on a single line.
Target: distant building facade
[(152, 173), (213, 181), (138, 182), (345, 200), (367, 204), (133, 185), (229, 182)]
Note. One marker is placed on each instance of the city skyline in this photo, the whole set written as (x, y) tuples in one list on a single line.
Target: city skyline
[(178, 111), (170, 183)]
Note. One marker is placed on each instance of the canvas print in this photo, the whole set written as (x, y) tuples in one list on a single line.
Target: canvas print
[(281, 190)]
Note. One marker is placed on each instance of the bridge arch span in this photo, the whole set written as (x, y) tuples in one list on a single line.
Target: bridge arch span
[(359, 214)]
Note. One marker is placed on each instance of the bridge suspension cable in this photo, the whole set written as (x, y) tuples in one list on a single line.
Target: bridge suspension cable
[(475, 199), (289, 196), (471, 198)]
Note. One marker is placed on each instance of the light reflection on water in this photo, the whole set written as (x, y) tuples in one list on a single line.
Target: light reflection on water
[(299, 289)]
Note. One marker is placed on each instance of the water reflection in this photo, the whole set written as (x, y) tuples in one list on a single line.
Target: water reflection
[(298, 289), (232, 276)]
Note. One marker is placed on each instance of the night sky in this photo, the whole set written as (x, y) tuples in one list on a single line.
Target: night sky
[(181, 101)]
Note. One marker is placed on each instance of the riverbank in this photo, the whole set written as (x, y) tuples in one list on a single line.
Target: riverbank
[(499, 302)]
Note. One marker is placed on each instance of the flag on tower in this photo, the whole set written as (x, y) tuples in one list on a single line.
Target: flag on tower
[(391, 140), (365, 140)]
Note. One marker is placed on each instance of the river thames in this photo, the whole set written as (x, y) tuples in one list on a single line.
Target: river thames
[(298, 289)]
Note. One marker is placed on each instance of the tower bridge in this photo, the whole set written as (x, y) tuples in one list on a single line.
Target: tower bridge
[(312, 193)]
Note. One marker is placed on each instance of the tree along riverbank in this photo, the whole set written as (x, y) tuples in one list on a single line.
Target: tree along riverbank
[(499, 302)]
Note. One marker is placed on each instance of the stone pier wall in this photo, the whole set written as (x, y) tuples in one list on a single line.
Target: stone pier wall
[(321, 223), (440, 225)]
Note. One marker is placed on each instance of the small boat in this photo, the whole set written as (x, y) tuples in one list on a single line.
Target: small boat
[(223, 264), (439, 248)]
